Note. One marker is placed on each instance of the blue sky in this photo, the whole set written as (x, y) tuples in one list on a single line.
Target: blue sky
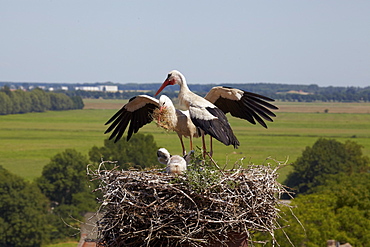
[(295, 42)]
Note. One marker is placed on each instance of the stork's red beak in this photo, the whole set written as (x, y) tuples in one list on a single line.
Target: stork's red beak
[(165, 84)]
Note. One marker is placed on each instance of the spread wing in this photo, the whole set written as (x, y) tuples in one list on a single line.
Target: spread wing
[(214, 123), (136, 113), (242, 104)]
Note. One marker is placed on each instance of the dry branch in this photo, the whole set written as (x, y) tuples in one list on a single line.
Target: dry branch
[(151, 208)]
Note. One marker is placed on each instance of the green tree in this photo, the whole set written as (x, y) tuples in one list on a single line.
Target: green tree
[(64, 176), (25, 101), (64, 182), (60, 101), (6, 89), (77, 102), (312, 224), (40, 100), (23, 210), (16, 102), (326, 156), (5, 104), (139, 152), (352, 207), (351, 190), (338, 209)]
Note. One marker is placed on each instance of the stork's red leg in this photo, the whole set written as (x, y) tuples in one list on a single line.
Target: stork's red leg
[(204, 146)]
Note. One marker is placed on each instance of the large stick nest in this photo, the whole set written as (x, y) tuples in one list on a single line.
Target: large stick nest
[(202, 207)]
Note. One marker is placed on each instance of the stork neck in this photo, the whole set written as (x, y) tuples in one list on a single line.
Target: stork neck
[(183, 84), (185, 96), (184, 88), (185, 93)]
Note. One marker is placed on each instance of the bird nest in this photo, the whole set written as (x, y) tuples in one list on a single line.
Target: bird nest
[(202, 207), (163, 118)]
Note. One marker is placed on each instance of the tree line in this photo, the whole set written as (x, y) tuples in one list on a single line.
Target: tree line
[(278, 91), (290, 93), (37, 100)]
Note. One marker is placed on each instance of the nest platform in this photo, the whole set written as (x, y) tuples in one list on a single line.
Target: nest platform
[(199, 208)]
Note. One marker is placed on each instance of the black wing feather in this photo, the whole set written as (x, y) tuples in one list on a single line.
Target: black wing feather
[(218, 128), (251, 107), (124, 118)]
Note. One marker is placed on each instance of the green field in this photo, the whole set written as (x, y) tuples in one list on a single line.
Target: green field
[(28, 141), (67, 244)]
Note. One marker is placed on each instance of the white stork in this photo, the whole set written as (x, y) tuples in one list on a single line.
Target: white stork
[(175, 164), (139, 112), (208, 113)]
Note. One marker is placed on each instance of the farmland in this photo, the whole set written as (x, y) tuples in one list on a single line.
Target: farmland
[(28, 141)]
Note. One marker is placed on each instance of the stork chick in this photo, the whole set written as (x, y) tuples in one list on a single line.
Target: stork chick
[(175, 163)]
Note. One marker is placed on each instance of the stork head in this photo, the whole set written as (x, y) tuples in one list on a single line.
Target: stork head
[(166, 113), (174, 77), (165, 102), (163, 156)]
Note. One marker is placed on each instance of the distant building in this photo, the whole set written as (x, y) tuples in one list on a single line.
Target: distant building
[(101, 88), (108, 88), (88, 88)]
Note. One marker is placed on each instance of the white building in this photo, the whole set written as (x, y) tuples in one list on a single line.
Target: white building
[(102, 88), (88, 88), (109, 88)]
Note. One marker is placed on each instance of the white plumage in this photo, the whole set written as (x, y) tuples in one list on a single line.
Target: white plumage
[(139, 112), (208, 113), (175, 164)]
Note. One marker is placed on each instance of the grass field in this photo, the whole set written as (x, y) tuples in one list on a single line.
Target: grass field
[(28, 141), (67, 244)]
